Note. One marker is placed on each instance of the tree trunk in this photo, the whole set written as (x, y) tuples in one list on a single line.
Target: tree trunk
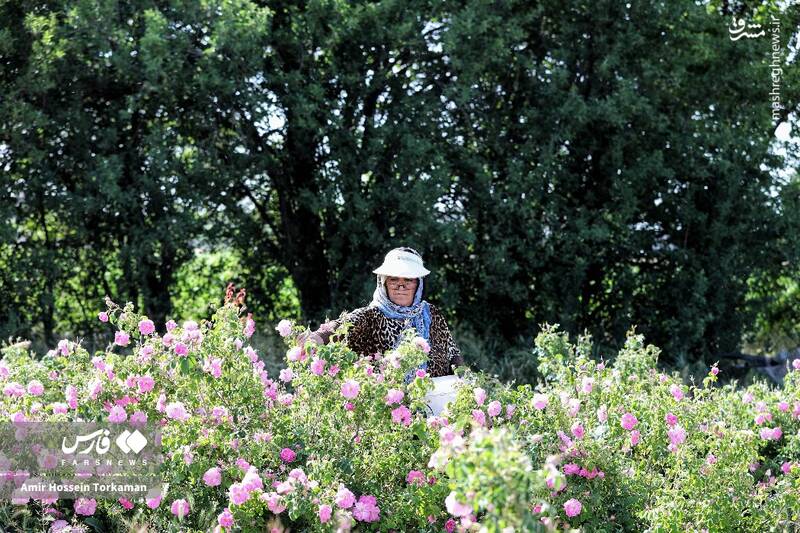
[(158, 279), (303, 247)]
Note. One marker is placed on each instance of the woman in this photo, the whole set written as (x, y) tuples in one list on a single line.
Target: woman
[(397, 305)]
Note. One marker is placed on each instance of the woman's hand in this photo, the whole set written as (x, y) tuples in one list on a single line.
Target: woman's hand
[(457, 361), (309, 337)]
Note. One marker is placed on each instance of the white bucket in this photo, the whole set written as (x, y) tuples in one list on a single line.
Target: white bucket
[(444, 391)]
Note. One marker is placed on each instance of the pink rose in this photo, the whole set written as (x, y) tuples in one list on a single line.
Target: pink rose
[(350, 389), (676, 392), (318, 366), (284, 328), (63, 347), (125, 503), (138, 418), (14, 389), (677, 435), (394, 396), (324, 513), (415, 476), (422, 344), (366, 509), (145, 383), (35, 388), (146, 327), (213, 366), (225, 518), (121, 338), (572, 507), (145, 353), (238, 494), (117, 415), (177, 411), (85, 507), (628, 421), (288, 455), (71, 395), (401, 415), (456, 508), (540, 401), (274, 502), (180, 508), (295, 353), (480, 395), (212, 477), (344, 498), (249, 327), (251, 480), (153, 502)]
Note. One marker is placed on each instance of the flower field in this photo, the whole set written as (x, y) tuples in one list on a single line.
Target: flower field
[(338, 442)]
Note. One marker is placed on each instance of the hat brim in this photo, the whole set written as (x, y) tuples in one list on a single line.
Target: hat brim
[(400, 272)]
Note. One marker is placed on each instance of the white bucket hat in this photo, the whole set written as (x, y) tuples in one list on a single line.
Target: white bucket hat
[(402, 263)]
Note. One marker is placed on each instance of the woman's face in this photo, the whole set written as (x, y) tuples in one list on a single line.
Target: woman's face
[(401, 290)]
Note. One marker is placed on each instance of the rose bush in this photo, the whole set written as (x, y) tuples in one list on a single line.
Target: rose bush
[(337, 441), (641, 451)]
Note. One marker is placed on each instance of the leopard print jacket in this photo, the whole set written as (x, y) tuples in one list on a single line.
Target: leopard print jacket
[(373, 332)]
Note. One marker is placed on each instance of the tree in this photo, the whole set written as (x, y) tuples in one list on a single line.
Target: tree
[(102, 175), (596, 165)]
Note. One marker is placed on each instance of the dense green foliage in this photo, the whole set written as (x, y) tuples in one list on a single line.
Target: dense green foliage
[(594, 164)]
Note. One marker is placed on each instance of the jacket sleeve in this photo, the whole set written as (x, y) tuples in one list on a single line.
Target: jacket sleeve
[(444, 338), (357, 318)]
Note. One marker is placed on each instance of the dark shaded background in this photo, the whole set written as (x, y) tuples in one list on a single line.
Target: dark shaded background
[(598, 165)]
